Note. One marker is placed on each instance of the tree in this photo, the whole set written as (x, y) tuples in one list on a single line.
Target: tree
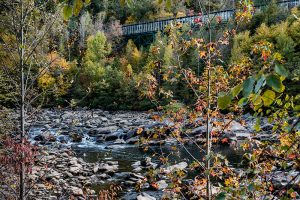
[(25, 41)]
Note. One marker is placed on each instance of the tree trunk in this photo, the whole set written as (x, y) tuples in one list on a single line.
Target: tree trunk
[(22, 109), (208, 142)]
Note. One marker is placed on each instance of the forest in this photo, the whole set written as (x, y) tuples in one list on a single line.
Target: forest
[(149, 99)]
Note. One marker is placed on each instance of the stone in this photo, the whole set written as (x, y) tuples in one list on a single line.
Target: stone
[(146, 161), (145, 196), (75, 169), (199, 130), (115, 146), (137, 164), (76, 191), (137, 169), (234, 126), (102, 131), (119, 141), (52, 174), (179, 166), (103, 167), (281, 179), (114, 136), (133, 140), (161, 185), (45, 137)]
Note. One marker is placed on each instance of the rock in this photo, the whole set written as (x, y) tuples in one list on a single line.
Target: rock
[(104, 167), (119, 141), (161, 185), (133, 140), (243, 135), (76, 191), (114, 136), (68, 174), (234, 126), (137, 164), (136, 176), (145, 196), (115, 146), (179, 166), (45, 137), (137, 169), (52, 174), (96, 169), (146, 161), (102, 131), (199, 130), (76, 169), (281, 179)]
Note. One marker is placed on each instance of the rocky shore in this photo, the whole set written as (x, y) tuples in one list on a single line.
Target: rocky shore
[(59, 173)]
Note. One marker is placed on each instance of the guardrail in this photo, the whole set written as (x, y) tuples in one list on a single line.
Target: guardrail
[(159, 25)]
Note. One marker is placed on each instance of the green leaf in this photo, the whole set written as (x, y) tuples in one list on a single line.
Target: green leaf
[(224, 101), (236, 90), (242, 102), (160, 1), (67, 12), (257, 101), (260, 83), (280, 70), (77, 7), (257, 125), (168, 4), (268, 97), (275, 82), (221, 196), (248, 86)]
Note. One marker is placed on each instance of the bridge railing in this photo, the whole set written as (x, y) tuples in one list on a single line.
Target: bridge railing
[(159, 25)]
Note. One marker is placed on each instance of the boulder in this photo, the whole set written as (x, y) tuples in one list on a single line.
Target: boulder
[(179, 166), (76, 169), (145, 196), (133, 140), (114, 135), (102, 131), (45, 137), (76, 191), (161, 185)]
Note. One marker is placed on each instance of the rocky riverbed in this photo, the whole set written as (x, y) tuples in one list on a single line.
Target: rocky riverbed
[(94, 127), (87, 150)]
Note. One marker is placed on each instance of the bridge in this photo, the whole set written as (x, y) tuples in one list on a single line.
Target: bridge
[(150, 27)]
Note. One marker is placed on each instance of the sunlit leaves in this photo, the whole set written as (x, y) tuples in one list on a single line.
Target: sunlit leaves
[(74, 8), (275, 82), (236, 90), (223, 101), (67, 12), (268, 97), (78, 5)]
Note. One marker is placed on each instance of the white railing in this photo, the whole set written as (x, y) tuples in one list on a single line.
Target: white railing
[(225, 15)]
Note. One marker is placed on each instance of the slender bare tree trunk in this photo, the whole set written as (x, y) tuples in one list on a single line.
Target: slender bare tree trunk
[(22, 109), (208, 141)]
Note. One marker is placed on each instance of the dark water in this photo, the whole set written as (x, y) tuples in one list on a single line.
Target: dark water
[(127, 155)]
